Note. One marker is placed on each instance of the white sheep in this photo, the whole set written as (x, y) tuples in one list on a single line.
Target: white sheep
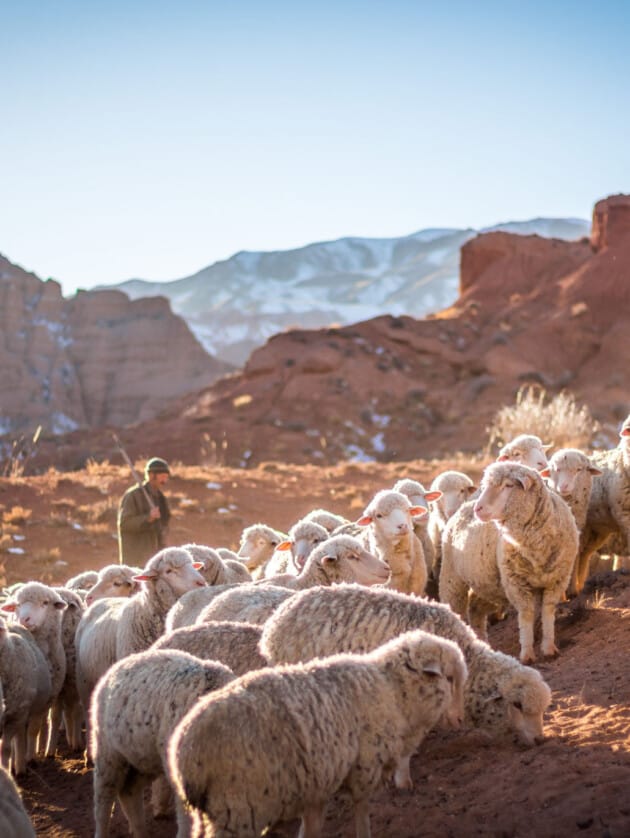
[(245, 604), (419, 496), (134, 710), (233, 644), (258, 543), (166, 576), (67, 705), (329, 520), (351, 618), (38, 608), (388, 519), (285, 740), (608, 511), (25, 675), (292, 553), (455, 488), (537, 547), (82, 581), (191, 604), (113, 580), (14, 820), (527, 449), (216, 570)]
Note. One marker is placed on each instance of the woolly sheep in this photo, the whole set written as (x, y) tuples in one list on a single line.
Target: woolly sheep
[(245, 604), (419, 496), (609, 504), (82, 581), (339, 558), (67, 705), (215, 570), (25, 675), (166, 576), (389, 521), (292, 553), (258, 543), (233, 644), (135, 709), (455, 488), (293, 736), (329, 520), (351, 618), (113, 580), (537, 548), (191, 604), (526, 449), (14, 821), (38, 608)]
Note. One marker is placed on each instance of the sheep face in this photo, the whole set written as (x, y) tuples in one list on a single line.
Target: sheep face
[(417, 495), (31, 608), (345, 560), (452, 498), (565, 469), (257, 548), (500, 484), (391, 515), (116, 581), (526, 450), (180, 576), (303, 540)]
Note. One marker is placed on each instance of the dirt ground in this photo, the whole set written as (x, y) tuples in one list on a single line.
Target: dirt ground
[(576, 783)]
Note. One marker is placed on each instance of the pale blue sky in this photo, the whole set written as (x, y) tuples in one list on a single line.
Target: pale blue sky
[(150, 139)]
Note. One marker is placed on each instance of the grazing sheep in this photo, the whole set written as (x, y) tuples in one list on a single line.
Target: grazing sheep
[(339, 558), (82, 581), (25, 676), (167, 575), (350, 618), (14, 821), (389, 535), (329, 520), (609, 504), (134, 710), (38, 608), (233, 644), (258, 543), (191, 604), (537, 547), (67, 705), (285, 740), (292, 553), (455, 488), (245, 604), (114, 580), (215, 570), (526, 449)]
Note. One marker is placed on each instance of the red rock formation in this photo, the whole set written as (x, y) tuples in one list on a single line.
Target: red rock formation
[(611, 221)]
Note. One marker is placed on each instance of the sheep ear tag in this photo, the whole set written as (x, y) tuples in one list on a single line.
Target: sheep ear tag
[(284, 545), (364, 522)]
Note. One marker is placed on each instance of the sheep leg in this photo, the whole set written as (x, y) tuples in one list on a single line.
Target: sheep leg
[(548, 619), (402, 774), (33, 734), (108, 777), (73, 722), (53, 728), (161, 797), (185, 820), (589, 543), (312, 822), (130, 797), (478, 611), (526, 618), (362, 819)]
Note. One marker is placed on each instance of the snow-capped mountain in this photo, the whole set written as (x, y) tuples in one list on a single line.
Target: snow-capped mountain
[(235, 305)]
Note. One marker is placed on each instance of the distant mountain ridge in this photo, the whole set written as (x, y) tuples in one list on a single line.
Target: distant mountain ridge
[(234, 306)]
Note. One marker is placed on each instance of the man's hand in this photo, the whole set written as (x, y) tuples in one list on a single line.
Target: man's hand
[(154, 514)]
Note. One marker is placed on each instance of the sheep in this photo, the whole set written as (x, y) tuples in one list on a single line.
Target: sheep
[(215, 570), (233, 644), (189, 605), (389, 535), (339, 558), (25, 676), (245, 604), (67, 705), (352, 618), (329, 520), (537, 547), (82, 581), (113, 580), (14, 821), (167, 575), (455, 488), (258, 543), (527, 449), (134, 710), (419, 496), (38, 608), (285, 740), (609, 504), (292, 553)]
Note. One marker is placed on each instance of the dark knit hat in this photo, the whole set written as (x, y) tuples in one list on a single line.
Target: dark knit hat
[(157, 465)]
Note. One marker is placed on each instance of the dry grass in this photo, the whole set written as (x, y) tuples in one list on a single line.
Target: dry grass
[(17, 515), (557, 420)]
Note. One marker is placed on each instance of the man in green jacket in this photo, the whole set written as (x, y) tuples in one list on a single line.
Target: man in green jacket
[(142, 525)]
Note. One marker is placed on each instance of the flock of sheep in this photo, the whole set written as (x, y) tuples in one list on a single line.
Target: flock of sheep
[(250, 688)]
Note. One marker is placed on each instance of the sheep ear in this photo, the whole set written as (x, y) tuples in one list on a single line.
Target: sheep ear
[(594, 471), (60, 605), (545, 472), (524, 481), (417, 510), (365, 521), (198, 565), (284, 545), (9, 606), (432, 668), (495, 696), (472, 490), (145, 576), (329, 560), (435, 495), (502, 458)]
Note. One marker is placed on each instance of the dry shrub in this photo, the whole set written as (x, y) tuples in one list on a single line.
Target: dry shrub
[(103, 511), (557, 420), (17, 515)]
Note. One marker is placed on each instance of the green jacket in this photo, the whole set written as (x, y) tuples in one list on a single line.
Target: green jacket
[(139, 538)]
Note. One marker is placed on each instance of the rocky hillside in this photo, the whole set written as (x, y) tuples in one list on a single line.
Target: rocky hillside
[(93, 360), (235, 305), (551, 312)]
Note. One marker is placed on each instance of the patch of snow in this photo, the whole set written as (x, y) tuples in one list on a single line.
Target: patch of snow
[(16, 551), (18, 537), (212, 485), (61, 424), (378, 443), (357, 455)]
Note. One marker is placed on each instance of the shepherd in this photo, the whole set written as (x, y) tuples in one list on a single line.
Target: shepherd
[(143, 515)]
